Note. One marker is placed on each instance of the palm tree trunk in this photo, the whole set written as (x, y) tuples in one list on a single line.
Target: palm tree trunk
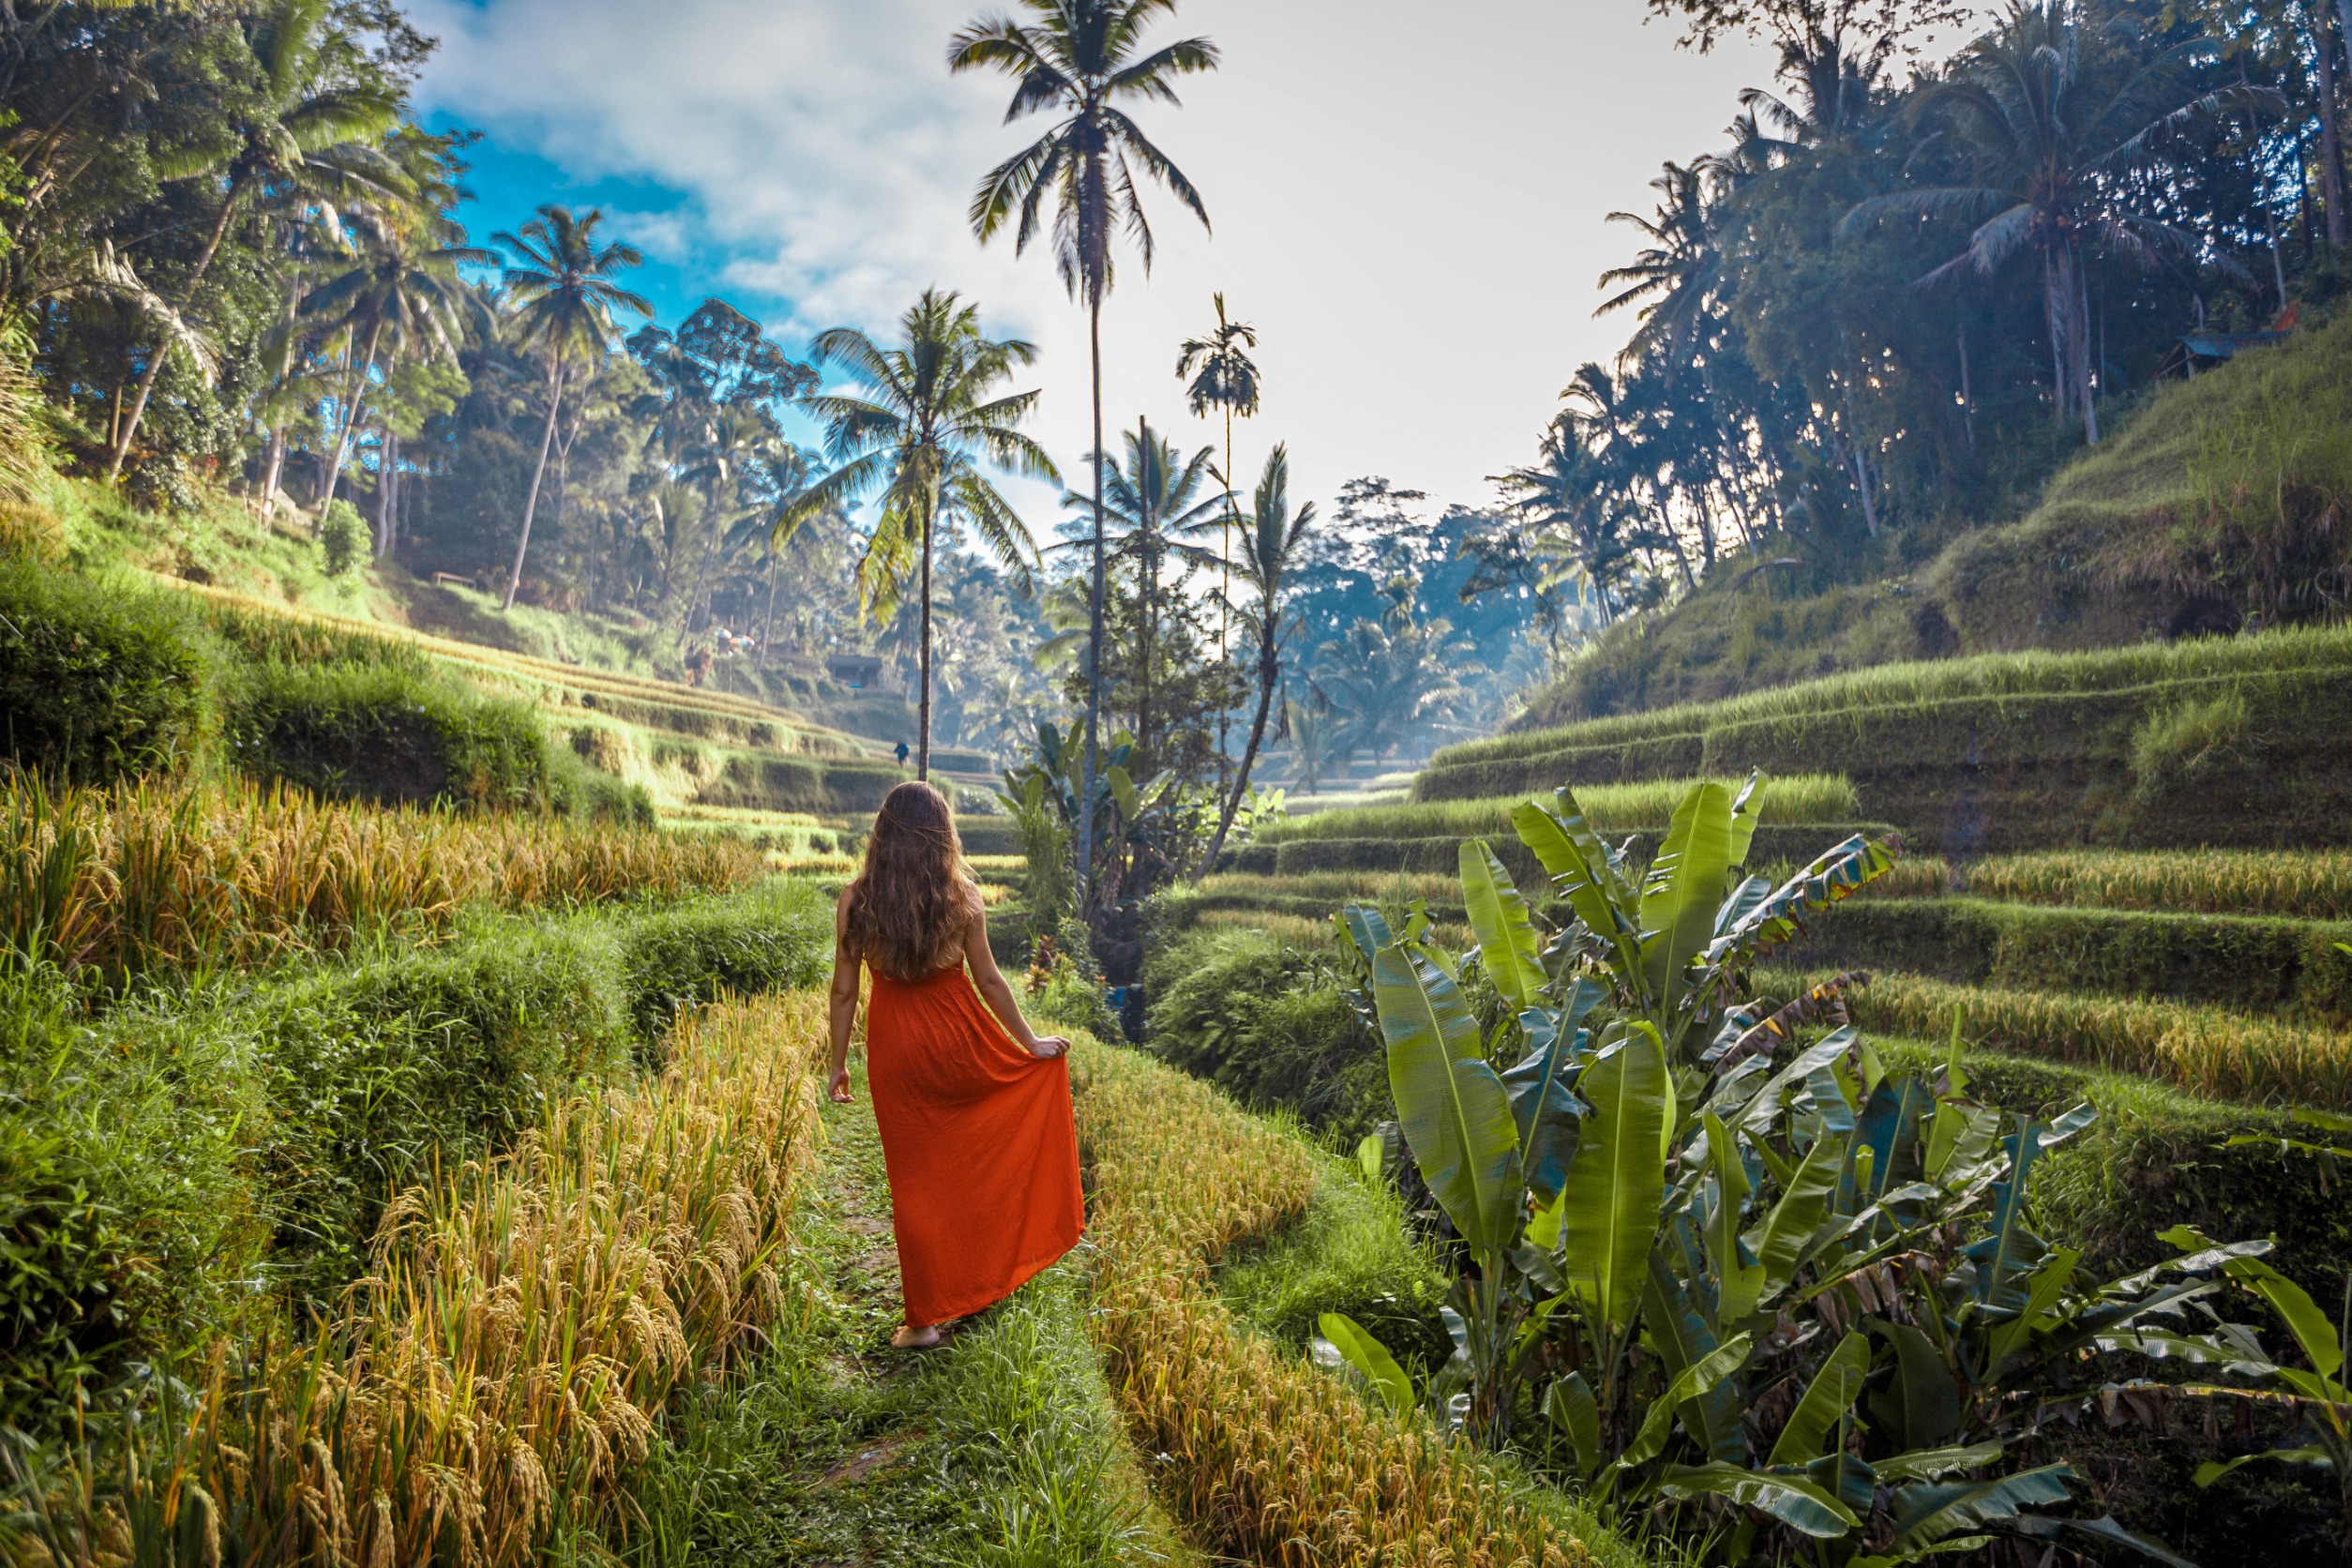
[(2330, 144), (767, 624), (273, 469), (351, 421), (923, 708), (1093, 624), (163, 351), (1224, 594), (1268, 669), (530, 504), (1148, 573), (387, 446)]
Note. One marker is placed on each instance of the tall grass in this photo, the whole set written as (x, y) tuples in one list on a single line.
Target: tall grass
[(1610, 807), (1267, 1457), (2314, 885), (486, 1392), (140, 876), (2208, 1050)]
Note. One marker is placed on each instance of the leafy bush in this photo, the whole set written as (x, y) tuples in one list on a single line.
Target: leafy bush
[(126, 1222), (773, 937), (1267, 1023), (97, 682), (389, 731), (342, 538)]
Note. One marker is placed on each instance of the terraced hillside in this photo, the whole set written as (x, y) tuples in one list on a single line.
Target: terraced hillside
[(2126, 881)]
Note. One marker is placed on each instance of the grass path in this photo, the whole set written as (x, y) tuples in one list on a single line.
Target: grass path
[(832, 1450)]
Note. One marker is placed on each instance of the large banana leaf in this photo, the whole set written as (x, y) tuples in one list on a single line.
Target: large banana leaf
[(2007, 1250), (1579, 863), (1684, 887), (1657, 1423), (1924, 1514), (1506, 935), (1918, 1405), (1455, 1115), (1778, 1241), (1683, 1337), (2295, 1308), (1831, 1394), (1832, 877), (1757, 1116), (1794, 1499), (1570, 1404), (1351, 1343), (1550, 1115), (1739, 1277), (1889, 1128), (1609, 1201)]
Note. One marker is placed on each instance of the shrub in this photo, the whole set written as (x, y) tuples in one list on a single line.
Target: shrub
[(97, 682), (1266, 1022), (392, 731), (773, 937), (126, 1215), (342, 538)]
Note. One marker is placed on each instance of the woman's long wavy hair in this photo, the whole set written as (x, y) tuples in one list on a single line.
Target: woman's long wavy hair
[(909, 903)]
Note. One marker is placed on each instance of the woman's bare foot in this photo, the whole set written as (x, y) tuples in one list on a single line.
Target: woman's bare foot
[(912, 1338)]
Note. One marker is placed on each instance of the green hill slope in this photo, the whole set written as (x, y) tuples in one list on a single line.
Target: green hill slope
[(2220, 506)]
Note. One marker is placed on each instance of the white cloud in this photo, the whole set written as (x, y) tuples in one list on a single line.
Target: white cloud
[(1408, 199)]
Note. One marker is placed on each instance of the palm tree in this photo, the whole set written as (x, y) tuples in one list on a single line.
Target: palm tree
[(733, 440), (934, 415), (2059, 144), (1150, 503), (565, 290), (1676, 280), (399, 292), (1387, 676), (1083, 58), (1223, 377), (1271, 534), (293, 134)]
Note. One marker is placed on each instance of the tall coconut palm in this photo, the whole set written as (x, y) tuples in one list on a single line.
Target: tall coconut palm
[(933, 415), (290, 133), (2061, 137), (1082, 59), (563, 287), (400, 293), (1223, 377), (1271, 534)]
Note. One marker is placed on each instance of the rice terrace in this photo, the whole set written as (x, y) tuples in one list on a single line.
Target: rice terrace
[(1114, 782)]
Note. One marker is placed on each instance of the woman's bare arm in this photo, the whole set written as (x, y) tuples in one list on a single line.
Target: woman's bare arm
[(990, 982), (845, 966)]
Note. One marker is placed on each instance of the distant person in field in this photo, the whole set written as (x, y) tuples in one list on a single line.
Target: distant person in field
[(977, 1130), (902, 754)]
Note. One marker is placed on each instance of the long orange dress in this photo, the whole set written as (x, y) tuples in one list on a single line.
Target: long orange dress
[(980, 1143)]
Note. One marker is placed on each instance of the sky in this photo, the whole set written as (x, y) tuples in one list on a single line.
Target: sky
[(1410, 201)]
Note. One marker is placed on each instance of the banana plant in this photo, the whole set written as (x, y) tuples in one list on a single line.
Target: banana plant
[(2320, 1390), (1685, 1245)]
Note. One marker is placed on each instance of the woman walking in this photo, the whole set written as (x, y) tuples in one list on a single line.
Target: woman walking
[(973, 1104)]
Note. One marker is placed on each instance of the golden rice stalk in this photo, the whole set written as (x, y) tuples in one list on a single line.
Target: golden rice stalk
[(2211, 1050), (1267, 1457), (525, 1322), (2314, 885), (142, 875)]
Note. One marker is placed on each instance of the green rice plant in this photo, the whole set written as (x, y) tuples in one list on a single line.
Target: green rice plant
[(1611, 808), (2310, 885), (2210, 1050), (2180, 742)]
